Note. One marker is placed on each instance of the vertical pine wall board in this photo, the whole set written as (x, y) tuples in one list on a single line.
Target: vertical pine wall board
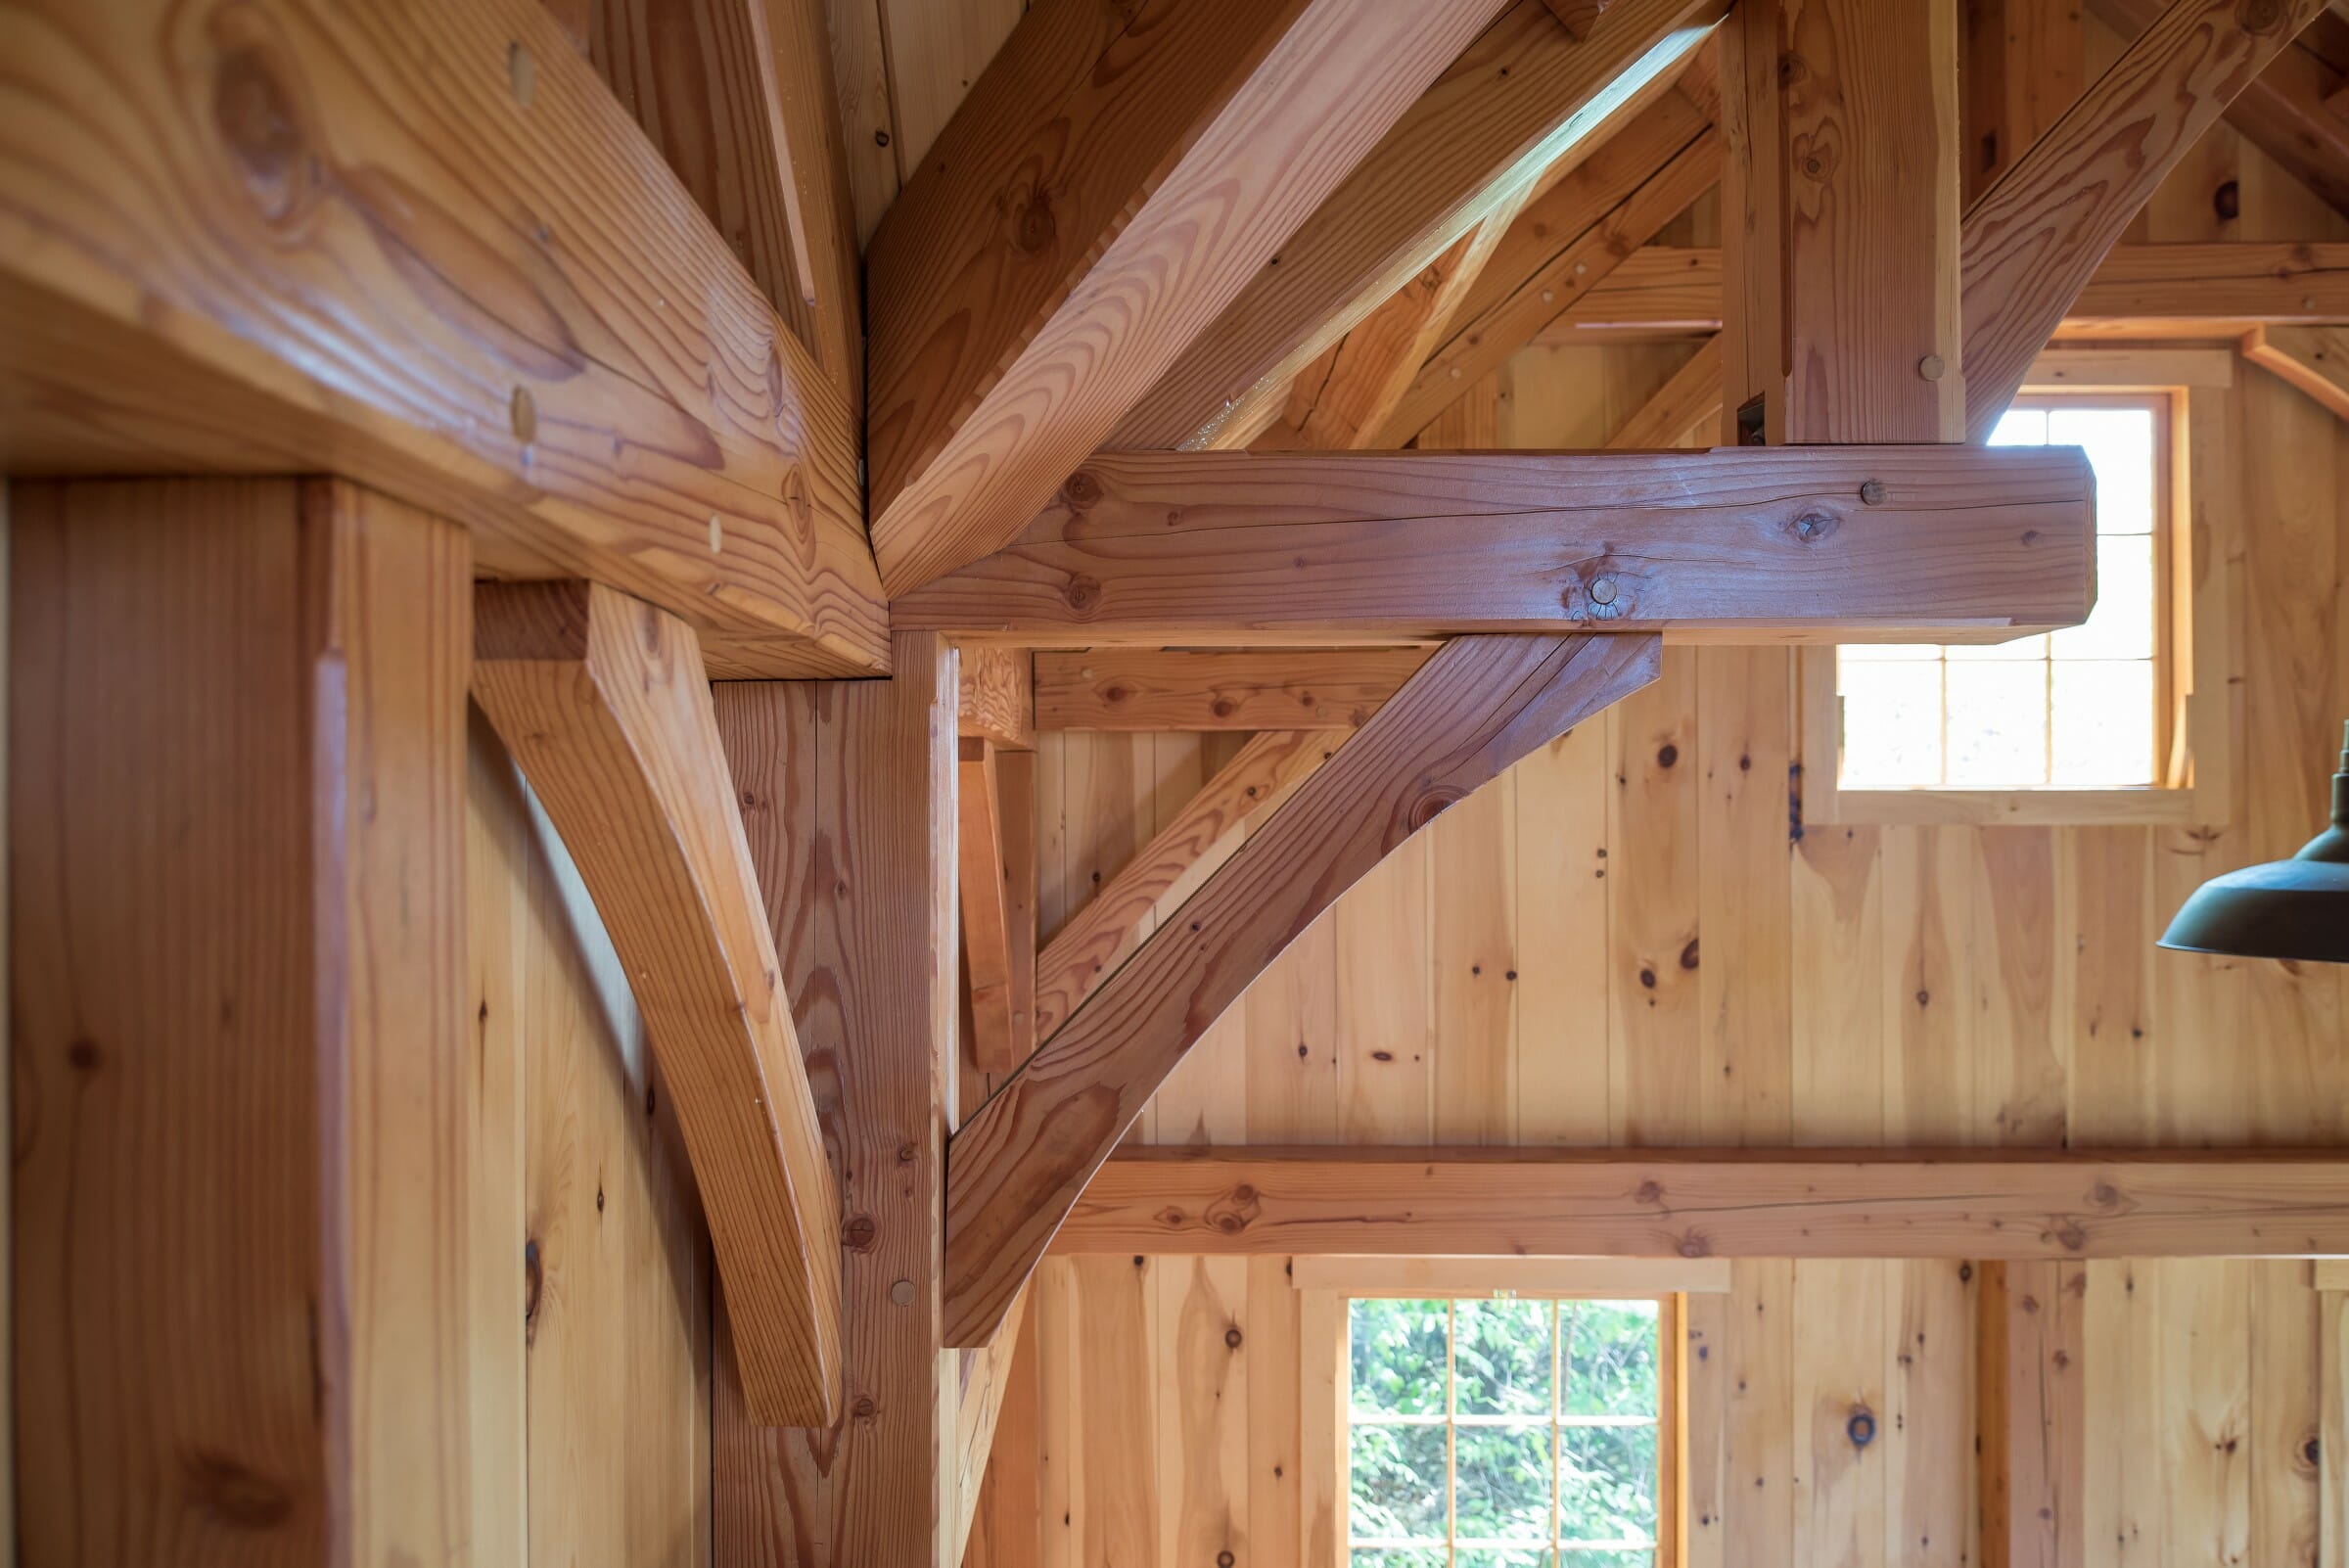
[(1840, 1393), (1204, 1360), (2020, 1066), (2205, 1304), (1289, 1019), (1563, 968), (1386, 1036), (1838, 965), (1744, 847), (1652, 907), (2285, 1446), (1274, 1482)]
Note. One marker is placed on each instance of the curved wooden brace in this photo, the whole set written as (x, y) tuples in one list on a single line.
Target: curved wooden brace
[(1019, 1164), (601, 700)]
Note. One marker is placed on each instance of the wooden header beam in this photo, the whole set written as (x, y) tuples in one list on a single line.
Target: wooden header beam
[(421, 246), (1819, 543), (1741, 1203)]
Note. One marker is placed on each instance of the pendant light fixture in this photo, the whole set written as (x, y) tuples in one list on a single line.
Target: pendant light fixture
[(2295, 908)]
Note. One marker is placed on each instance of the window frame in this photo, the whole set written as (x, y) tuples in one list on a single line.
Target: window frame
[(1330, 1286), (2193, 625)]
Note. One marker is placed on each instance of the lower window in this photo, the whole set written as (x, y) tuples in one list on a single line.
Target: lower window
[(1508, 1433)]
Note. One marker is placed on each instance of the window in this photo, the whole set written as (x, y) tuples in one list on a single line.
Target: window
[(2094, 722), (1508, 1433)]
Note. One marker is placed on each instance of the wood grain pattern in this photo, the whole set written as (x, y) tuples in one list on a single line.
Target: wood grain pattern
[(1238, 689), (1003, 1031), (996, 697), (848, 807), (2034, 1413), (1103, 934), (1414, 545), (1524, 95), (1003, 352), (2034, 238), (2288, 111), (1021, 1163), (359, 242), (1469, 1202), (1689, 401), (1007, 1530), (603, 704), (245, 1169), (1563, 245), (2023, 63)]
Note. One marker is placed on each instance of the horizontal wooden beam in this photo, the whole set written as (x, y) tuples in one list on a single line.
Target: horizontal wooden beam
[(2314, 359), (1478, 707), (2187, 290), (1823, 544), (1739, 1203), (604, 705), (1236, 689), (421, 246)]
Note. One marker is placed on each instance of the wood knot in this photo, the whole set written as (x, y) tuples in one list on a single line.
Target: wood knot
[(1862, 1427), (2105, 1195), (2258, 16), (1082, 592), (1235, 1211), (1433, 804), (234, 1493), (1649, 1192), (1231, 1337), (533, 1278), (1688, 955), (255, 120), (860, 1232), (1812, 528), (1032, 225), (1080, 491), (83, 1054), (864, 1410)]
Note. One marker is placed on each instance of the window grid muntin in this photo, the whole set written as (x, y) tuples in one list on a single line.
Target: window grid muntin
[(2161, 529), (1559, 1422)]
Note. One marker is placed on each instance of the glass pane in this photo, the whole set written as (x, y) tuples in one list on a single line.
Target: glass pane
[(2119, 443), (1398, 1558), (1607, 1484), (1997, 725), (1891, 726), (1398, 1357), (2121, 626), (1503, 1557), (2103, 724), (1610, 1354), (1585, 1557), (2020, 427), (1501, 1358), (1397, 1483), (1501, 1482)]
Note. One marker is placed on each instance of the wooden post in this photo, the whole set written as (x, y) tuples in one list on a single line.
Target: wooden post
[(2033, 1414), (1840, 236), (237, 833), (847, 802)]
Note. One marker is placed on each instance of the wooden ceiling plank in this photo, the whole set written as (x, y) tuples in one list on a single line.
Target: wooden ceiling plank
[(1524, 98), (384, 241), (1677, 158), (603, 704), (1477, 706), (1112, 182), (983, 876), (2286, 112), (1112, 924), (1222, 689), (1780, 544), (1737, 1203), (2314, 359), (996, 696), (2036, 237)]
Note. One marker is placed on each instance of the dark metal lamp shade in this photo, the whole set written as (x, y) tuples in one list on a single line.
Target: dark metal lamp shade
[(2296, 908)]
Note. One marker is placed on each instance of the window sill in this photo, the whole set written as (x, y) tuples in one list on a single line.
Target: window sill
[(2043, 808)]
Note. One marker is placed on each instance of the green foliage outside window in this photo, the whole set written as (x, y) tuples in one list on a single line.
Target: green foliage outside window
[(1503, 1434)]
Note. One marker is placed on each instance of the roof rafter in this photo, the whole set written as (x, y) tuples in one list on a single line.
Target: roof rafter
[(1115, 178), (1525, 97)]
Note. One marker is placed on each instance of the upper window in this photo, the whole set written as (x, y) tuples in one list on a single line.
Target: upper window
[(2079, 709), (1506, 1434)]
